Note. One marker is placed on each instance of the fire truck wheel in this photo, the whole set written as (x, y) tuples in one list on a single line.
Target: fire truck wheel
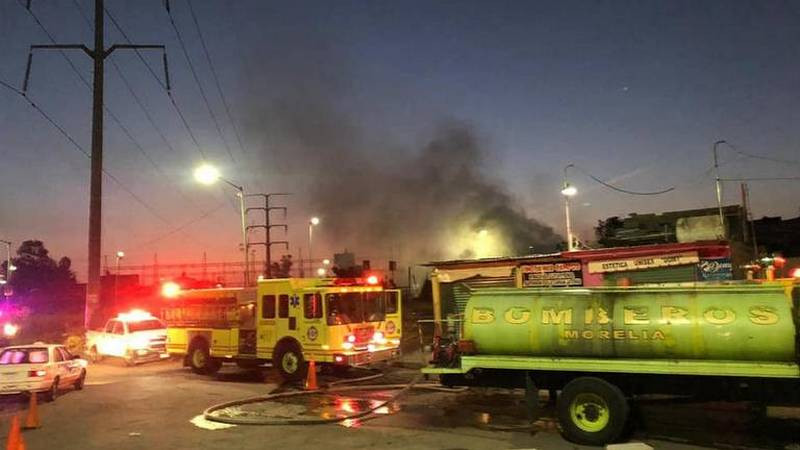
[(288, 359), (592, 411), (200, 359)]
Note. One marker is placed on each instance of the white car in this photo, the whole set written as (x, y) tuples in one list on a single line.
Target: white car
[(39, 367)]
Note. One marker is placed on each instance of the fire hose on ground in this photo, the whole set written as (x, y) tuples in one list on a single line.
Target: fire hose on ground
[(333, 387)]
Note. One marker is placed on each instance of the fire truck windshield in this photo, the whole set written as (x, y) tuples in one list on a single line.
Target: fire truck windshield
[(355, 307)]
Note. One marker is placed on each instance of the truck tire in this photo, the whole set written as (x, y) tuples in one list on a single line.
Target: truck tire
[(95, 355), (592, 411), (288, 359), (200, 359), (80, 381)]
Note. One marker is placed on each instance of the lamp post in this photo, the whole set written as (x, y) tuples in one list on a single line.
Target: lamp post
[(568, 191), (208, 175), (718, 182), (120, 255), (314, 221)]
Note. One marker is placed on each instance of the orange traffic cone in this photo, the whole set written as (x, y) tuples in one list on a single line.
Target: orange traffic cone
[(32, 419), (21, 445), (311, 380), (14, 436)]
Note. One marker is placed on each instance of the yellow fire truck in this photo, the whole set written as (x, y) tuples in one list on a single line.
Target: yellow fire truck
[(286, 322)]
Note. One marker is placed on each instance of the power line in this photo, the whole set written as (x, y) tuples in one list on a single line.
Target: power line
[(761, 179), (47, 117), (214, 75), (763, 158), (164, 84), (181, 227), (149, 118), (85, 153), (197, 80), (619, 189), (86, 83)]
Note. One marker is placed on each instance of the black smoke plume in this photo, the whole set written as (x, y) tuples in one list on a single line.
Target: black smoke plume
[(379, 199)]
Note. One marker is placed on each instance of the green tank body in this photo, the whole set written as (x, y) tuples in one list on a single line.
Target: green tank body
[(744, 323)]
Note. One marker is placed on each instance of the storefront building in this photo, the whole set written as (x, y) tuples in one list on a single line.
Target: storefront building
[(620, 266)]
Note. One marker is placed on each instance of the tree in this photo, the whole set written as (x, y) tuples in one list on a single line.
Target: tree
[(37, 271), (606, 230)]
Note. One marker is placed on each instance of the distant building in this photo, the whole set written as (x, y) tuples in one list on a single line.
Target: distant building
[(452, 280), (775, 235), (674, 226)]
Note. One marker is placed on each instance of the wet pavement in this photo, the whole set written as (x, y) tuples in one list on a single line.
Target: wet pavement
[(151, 406)]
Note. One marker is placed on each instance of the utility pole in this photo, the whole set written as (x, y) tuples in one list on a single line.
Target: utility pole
[(719, 186), (267, 226), (98, 55)]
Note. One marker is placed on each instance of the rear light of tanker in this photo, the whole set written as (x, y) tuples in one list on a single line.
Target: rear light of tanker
[(796, 273), (339, 359)]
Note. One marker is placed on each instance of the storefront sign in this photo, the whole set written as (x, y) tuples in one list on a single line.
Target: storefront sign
[(714, 269), (644, 262), (561, 274)]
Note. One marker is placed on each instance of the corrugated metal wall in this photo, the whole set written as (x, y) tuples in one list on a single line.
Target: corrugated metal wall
[(455, 295)]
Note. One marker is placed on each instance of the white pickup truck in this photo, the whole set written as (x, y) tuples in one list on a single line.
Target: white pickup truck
[(135, 337)]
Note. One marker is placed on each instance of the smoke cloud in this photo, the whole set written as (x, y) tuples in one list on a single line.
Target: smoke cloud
[(437, 201)]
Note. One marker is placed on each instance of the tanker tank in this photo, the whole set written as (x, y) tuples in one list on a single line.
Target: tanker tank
[(734, 323)]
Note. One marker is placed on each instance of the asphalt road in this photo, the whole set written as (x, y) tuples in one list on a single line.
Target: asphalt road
[(151, 406)]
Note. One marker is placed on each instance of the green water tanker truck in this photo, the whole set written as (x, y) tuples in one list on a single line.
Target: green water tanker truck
[(600, 347)]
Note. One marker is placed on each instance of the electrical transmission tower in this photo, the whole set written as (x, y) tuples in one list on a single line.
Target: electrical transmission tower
[(98, 55), (268, 226)]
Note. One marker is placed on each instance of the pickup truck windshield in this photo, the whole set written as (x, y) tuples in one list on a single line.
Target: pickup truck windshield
[(23, 356), (144, 325)]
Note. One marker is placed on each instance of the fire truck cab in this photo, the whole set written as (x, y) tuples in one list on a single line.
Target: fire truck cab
[(285, 322)]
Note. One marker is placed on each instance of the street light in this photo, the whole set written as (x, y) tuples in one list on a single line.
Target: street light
[(207, 174), (314, 221), (120, 255), (568, 191)]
